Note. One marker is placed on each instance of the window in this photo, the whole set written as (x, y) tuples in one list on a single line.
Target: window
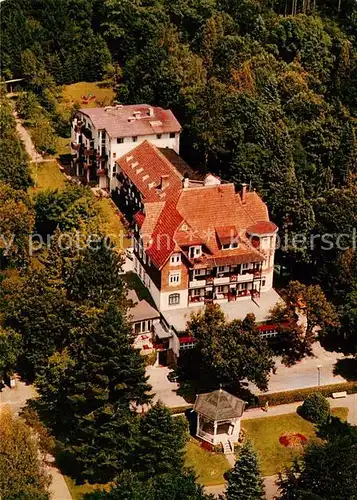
[(198, 292), (172, 135), (135, 138), (114, 155), (263, 282), (114, 169), (174, 299), (175, 278), (195, 252), (245, 266), (226, 246), (120, 140), (175, 259), (224, 269), (142, 327), (158, 136)]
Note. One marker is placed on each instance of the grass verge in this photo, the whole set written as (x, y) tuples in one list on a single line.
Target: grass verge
[(112, 225), (78, 491)]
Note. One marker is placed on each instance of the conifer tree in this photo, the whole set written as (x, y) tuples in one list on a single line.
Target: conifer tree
[(91, 388), (94, 278), (162, 442), (244, 480)]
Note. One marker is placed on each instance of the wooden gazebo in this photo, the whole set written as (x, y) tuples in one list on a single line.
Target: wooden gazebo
[(218, 417)]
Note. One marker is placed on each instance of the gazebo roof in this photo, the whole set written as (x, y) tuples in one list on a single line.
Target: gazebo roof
[(219, 405)]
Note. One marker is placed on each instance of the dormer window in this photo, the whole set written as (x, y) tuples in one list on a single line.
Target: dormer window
[(228, 246), (195, 252)]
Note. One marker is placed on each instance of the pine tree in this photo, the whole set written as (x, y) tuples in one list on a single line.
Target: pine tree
[(244, 480), (90, 389), (162, 442), (94, 278)]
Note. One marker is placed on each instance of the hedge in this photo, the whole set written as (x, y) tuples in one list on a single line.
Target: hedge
[(280, 398), (180, 409)]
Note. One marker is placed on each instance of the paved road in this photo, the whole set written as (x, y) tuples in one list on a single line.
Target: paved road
[(305, 373)]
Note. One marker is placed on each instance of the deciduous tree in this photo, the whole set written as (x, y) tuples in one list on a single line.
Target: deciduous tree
[(22, 475)]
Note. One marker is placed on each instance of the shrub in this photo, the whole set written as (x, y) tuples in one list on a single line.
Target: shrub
[(315, 408)]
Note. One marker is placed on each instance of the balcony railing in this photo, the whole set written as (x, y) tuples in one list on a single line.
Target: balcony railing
[(197, 283), (221, 281)]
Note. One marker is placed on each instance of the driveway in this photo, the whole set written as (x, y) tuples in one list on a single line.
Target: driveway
[(162, 388)]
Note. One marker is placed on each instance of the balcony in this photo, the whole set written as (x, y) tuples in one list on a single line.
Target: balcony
[(197, 283), (225, 280)]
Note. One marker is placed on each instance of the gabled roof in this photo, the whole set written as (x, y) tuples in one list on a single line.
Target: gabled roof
[(145, 165), (141, 309), (132, 120), (219, 405), (163, 243), (178, 214)]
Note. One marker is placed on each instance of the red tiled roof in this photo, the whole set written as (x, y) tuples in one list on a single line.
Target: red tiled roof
[(262, 227), (144, 165), (119, 121), (212, 214), (163, 243)]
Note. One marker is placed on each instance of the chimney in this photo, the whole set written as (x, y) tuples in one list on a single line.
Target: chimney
[(243, 192), (150, 111), (185, 180), (164, 182)]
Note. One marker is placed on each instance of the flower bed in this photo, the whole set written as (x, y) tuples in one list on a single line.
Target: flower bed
[(292, 440)]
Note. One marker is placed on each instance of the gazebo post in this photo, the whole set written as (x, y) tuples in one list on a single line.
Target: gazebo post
[(198, 425), (214, 431)]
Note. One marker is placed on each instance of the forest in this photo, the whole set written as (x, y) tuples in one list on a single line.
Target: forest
[(266, 92)]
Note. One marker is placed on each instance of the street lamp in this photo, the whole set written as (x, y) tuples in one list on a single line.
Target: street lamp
[(319, 375)]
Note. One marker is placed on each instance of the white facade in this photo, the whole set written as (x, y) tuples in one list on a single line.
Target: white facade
[(115, 147)]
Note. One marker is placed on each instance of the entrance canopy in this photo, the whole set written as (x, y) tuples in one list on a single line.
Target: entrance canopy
[(219, 406)]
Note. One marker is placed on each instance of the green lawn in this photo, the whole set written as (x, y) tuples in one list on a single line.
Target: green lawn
[(72, 94), (209, 467), (47, 175), (112, 225), (265, 433), (78, 491)]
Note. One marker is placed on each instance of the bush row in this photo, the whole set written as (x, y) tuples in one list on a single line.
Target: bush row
[(280, 398)]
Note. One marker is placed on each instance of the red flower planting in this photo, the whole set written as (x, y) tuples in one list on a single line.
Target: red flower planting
[(292, 440)]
